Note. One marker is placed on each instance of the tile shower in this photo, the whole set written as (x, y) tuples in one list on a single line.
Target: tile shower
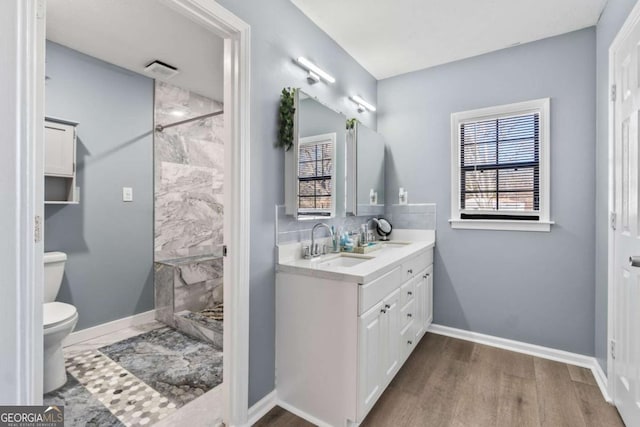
[(189, 177)]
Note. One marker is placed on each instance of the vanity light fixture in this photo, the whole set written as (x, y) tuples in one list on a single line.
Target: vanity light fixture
[(315, 73), (362, 104)]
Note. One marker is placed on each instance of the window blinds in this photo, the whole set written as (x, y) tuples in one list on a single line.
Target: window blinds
[(499, 167), (315, 169)]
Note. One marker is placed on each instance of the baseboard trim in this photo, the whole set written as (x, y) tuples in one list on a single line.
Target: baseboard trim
[(262, 407), (530, 349), (302, 414), (602, 380), (109, 327)]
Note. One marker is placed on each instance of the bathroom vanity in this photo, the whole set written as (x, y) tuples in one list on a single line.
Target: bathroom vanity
[(346, 323)]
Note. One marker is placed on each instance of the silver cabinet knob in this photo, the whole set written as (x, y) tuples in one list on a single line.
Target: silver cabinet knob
[(409, 315), (426, 276), (387, 306), (410, 271), (383, 311), (409, 342), (634, 261), (409, 293)]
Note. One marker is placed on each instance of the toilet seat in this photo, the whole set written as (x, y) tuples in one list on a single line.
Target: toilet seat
[(56, 313)]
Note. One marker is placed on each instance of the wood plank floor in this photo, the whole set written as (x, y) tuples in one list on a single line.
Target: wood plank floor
[(451, 382)]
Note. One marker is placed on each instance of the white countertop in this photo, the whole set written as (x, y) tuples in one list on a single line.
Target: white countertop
[(377, 262)]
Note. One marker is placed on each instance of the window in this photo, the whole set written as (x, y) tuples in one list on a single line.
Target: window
[(500, 167), (316, 176)]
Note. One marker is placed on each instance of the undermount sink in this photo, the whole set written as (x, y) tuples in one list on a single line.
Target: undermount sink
[(343, 260)]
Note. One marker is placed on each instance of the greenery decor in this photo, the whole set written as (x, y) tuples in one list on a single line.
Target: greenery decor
[(351, 123), (286, 118)]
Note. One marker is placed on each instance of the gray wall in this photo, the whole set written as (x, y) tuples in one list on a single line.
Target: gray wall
[(109, 273), (527, 286), (279, 33), (609, 24)]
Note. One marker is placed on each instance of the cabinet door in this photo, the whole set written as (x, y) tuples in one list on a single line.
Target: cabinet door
[(59, 143), (390, 344), (420, 315), (370, 367), (429, 297)]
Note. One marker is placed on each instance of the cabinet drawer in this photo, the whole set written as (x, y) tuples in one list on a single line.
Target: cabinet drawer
[(374, 292), (407, 292), (407, 313), (414, 265)]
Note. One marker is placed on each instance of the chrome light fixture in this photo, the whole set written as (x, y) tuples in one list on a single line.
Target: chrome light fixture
[(362, 104), (315, 73)]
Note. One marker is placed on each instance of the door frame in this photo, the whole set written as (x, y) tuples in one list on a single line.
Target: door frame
[(630, 23), (24, 303), (22, 208)]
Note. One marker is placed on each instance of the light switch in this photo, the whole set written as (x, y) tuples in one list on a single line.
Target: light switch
[(127, 194)]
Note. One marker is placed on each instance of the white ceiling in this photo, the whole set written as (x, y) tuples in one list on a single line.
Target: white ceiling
[(133, 33), (391, 37)]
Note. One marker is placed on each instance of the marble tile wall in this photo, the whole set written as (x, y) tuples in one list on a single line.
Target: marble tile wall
[(189, 175), (189, 285)]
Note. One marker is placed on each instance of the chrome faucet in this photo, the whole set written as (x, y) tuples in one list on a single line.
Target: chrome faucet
[(315, 249)]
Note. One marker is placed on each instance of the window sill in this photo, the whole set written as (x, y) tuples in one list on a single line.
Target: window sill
[(499, 224)]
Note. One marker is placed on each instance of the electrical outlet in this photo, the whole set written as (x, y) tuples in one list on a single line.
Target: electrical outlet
[(127, 194)]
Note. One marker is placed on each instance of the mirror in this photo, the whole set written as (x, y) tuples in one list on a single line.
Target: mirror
[(365, 171), (315, 165)]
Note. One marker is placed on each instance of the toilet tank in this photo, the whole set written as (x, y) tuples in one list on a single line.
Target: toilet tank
[(53, 271)]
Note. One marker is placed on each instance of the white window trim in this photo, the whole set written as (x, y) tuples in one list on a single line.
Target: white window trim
[(544, 223)]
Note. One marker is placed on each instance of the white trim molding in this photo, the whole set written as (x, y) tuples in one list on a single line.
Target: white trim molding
[(262, 407), (530, 349), (540, 106), (500, 224), (109, 327), (22, 209)]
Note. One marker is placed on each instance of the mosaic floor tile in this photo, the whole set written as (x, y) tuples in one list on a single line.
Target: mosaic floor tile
[(132, 401), (176, 366), (80, 407)]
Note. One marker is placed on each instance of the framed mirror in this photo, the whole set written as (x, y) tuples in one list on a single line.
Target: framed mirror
[(365, 171), (315, 165)]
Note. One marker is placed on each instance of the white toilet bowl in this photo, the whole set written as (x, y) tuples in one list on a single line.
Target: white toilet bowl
[(59, 319)]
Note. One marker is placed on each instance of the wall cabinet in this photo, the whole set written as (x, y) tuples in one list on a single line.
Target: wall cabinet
[(326, 328), (60, 161)]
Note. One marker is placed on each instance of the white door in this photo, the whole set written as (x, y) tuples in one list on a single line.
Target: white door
[(626, 286)]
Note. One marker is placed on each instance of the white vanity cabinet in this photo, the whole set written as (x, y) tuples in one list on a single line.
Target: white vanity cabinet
[(339, 343)]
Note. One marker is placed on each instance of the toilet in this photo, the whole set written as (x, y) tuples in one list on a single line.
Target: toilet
[(59, 320)]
